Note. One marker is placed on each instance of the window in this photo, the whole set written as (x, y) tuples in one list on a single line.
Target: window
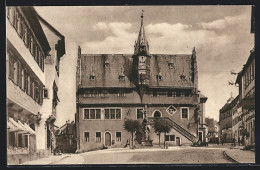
[(118, 136), (173, 94), (169, 93), (45, 93), (106, 113), (86, 136), (104, 93), (113, 114), (98, 136), (184, 113), (169, 137), (182, 94), (98, 114), (139, 113), (86, 114), (92, 113), (22, 74), (154, 93), (118, 113)]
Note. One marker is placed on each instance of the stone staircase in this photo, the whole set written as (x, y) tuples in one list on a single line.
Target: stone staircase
[(176, 127)]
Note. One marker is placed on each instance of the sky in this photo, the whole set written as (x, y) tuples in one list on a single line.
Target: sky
[(220, 34)]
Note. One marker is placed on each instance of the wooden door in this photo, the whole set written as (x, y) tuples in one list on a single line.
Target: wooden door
[(107, 139), (178, 143)]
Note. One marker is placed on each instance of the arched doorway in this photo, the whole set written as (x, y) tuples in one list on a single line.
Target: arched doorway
[(107, 139), (157, 114)]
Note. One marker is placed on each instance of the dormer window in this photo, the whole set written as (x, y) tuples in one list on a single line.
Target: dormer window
[(106, 63), (159, 76), (121, 77), (183, 77), (92, 77), (170, 65)]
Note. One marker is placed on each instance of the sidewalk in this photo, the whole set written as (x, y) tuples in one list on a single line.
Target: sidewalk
[(238, 155), (49, 160)]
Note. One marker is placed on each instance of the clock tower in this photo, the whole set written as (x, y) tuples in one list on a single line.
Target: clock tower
[(141, 58)]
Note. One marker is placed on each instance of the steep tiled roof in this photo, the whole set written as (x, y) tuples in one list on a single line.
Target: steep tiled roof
[(31, 16), (179, 76)]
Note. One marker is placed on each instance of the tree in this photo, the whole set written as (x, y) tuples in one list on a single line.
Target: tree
[(132, 126), (161, 125)]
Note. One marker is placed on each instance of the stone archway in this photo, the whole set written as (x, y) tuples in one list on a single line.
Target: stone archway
[(107, 139)]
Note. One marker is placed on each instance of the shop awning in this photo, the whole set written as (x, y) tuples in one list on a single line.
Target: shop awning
[(23, 130), (30, 129), (11, 127)]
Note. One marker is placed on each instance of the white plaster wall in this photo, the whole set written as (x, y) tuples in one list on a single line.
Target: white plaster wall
[(24, 51)]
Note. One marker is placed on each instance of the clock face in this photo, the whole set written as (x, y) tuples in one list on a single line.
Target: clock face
[(142, 59)]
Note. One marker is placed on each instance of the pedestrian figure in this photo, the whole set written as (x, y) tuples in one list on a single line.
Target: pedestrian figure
[(222, 141), (234, 141), (217, 140), (206, 141), (238, 140)]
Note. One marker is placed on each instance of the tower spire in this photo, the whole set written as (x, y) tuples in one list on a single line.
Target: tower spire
[(141, 46)]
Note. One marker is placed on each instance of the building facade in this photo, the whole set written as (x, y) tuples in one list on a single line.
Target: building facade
[(246, 112), (225, 119), (115, 87), (213, 130), (27, 49), (66, 138)]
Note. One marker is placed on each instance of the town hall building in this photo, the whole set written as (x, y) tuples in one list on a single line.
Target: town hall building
[(111, 88)]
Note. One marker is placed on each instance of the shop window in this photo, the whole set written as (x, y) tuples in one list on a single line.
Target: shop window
[(184, 113), (98, 136), (86, 136), (118, 136)]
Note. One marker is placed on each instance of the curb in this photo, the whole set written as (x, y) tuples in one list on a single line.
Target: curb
[(60, 159), (229, 158)]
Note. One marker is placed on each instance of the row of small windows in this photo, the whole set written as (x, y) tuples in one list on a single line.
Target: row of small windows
[(19, 23), (22, 78), (102, 93), (116, 113), (122, 93), (98, 137), (249, 75), (93, 77), (225, 115), (96, 114)]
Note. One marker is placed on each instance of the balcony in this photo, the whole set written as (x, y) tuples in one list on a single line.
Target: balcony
[(19, 101)]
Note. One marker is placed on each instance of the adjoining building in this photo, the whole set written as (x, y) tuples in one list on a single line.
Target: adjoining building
[(66, 138), (246, 111), (225, 119), (113, 87), (213, 129), (28, 74), (242, 109)]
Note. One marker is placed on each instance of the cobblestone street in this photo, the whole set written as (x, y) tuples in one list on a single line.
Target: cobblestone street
[(214, 154)]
